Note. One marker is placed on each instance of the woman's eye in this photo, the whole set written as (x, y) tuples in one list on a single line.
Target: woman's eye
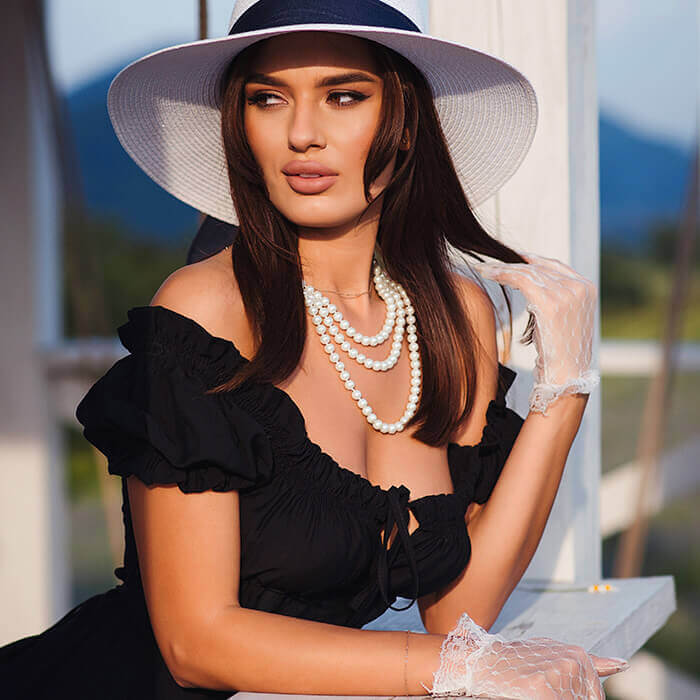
[(341, 99), (265, 99), (345, 99)]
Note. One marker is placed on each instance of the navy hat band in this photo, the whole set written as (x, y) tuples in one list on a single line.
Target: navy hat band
[(269, 14)]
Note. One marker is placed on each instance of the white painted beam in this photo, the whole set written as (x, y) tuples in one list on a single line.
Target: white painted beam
[(643, 357), (551, 207), (614, 623)]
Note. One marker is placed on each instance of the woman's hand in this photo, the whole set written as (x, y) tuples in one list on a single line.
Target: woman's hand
[(475, 662), (563, 304)]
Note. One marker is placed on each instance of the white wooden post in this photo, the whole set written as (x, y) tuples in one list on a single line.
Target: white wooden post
[(550, 207), (33, 553)]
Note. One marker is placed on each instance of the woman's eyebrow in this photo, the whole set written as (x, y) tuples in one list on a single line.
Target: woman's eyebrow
[(331, 80), (354, 77)]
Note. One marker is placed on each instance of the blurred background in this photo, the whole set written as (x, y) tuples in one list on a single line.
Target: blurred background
[(121, 235)]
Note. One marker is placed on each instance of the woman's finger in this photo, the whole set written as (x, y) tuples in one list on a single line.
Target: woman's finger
[(553, 263), (607, 665), (529, 279)]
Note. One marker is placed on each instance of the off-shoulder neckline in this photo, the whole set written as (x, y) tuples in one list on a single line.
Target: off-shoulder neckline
[(505, 379)]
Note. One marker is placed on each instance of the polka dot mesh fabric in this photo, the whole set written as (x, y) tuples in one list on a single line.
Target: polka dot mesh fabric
[(476, 663), (564, 305)]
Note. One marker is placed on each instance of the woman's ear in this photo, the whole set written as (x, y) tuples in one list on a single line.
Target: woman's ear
[(405, 142)]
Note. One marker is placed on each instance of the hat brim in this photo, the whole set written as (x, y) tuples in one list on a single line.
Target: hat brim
[(164, 108)]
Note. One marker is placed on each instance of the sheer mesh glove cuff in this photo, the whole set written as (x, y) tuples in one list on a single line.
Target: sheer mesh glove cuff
[(476, 663)]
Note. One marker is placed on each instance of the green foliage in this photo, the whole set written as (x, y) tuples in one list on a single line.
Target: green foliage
[(623, 284), (81, 474), (635, 288), (663, 239), (108, 270)]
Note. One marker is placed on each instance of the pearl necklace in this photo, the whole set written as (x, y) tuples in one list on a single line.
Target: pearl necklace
[(399, 312)]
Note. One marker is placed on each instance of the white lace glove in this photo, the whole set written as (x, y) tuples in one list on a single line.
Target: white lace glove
[(479, 664), (563, 304)]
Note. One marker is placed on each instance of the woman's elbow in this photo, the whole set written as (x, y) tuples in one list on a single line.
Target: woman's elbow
[(191, 654), (186, 651), (178, 660), (444, 620)]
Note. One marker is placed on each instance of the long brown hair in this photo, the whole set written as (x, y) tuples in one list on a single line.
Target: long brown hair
[(424, 212)]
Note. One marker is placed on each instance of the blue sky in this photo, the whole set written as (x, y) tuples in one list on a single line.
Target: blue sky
[(647, 65)]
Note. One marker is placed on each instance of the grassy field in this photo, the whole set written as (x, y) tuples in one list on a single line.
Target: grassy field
[(623, 399)]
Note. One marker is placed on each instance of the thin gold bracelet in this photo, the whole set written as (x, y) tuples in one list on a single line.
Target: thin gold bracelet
[(405, 665)]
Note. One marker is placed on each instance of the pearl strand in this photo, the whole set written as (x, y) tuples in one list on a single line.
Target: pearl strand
[(324, 314)]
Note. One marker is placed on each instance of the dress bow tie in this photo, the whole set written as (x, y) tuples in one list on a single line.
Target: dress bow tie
[(397, 500)]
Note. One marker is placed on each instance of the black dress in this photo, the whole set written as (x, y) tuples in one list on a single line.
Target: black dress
[(149, 415)]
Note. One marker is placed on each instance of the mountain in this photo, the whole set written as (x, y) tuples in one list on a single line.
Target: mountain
[(113, 185), (641, 179)]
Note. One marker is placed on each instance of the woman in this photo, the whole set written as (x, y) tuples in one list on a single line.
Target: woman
[(253, 558)]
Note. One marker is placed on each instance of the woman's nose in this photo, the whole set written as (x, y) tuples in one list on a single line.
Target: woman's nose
[(305, 128)]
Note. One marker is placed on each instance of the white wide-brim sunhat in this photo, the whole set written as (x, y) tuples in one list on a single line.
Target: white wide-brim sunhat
[(165, 107)]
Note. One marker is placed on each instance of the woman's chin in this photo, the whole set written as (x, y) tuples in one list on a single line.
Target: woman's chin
[(323, 218)]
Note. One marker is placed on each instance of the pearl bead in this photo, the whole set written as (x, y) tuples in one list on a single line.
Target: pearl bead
[(399, 319)]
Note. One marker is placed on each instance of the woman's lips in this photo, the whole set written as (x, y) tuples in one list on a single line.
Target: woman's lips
[(310, 184), (308, 176)]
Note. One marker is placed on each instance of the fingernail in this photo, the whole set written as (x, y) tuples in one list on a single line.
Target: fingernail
[(622, 663)]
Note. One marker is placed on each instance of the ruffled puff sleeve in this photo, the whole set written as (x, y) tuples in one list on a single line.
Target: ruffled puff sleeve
[(475, 468), (150, 414)]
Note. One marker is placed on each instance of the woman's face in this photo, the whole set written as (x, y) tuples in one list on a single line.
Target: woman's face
[(312, 107)]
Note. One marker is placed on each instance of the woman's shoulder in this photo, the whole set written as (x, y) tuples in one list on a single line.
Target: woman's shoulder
[(207, 293), (475, 298), (151, 413)]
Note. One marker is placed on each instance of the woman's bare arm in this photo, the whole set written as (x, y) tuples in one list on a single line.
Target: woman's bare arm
[(506, 530), (189, 555)]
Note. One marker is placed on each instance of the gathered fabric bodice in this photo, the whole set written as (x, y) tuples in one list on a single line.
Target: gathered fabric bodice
[(310, 529)]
